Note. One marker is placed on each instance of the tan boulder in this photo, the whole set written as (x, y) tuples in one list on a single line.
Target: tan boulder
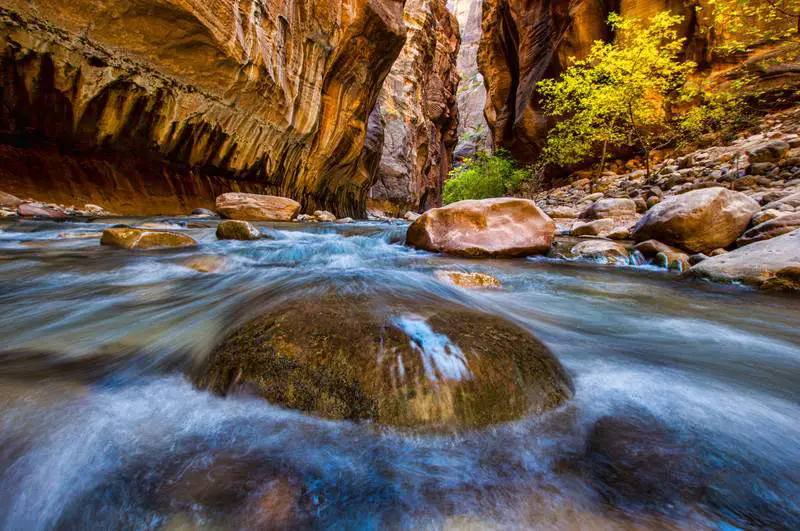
[(770, 229), (560, 212), (468, 280), (232, 229), (699, 221), (256, 207), (9, 201), (142, 239), (503, 227), (609, 208), (602, 251), (324, 216), (768, 264), (788, 203), (600, 227)]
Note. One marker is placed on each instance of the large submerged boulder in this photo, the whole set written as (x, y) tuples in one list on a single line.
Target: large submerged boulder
[(769, 264), (143, 239), (698, 221), (503, 227), (257, 207), (395, 362)]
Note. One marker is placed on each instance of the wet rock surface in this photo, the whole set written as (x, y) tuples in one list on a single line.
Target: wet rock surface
[(395, 362), (504, 227), (771, 263), (256, 207), (145, 239), (237, 230)]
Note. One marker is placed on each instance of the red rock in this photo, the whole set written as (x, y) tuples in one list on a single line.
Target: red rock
[(503, 227), (256, 207)]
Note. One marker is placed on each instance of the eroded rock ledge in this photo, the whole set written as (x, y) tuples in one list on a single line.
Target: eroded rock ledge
[(417, 113), (253, 95)]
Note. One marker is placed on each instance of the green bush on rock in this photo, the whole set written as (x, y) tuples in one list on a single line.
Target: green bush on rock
[(484, 176)]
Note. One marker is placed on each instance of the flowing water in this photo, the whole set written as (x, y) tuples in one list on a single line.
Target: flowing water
[(686, 411)]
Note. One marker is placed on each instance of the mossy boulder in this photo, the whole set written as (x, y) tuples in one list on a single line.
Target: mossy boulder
[(402, 363)]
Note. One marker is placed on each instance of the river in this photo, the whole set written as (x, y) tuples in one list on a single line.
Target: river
[(100, 427)]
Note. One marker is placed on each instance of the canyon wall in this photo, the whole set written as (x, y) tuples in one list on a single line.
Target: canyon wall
[(473, 131), (161, 104), (525, 41), (416, 119)]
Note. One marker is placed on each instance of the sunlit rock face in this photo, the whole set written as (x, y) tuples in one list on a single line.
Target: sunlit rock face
[(267, 95), (417, 113), (473, 131), (525, 41)]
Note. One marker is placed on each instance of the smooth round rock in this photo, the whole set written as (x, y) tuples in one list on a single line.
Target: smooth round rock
[(237, 230), (405, 363)]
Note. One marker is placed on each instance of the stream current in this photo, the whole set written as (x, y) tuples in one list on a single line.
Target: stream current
[(686, 412)]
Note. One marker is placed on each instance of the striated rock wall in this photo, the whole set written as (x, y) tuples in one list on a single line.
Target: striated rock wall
[(473, 131), (417, 113), (268, 95), (525, 41)]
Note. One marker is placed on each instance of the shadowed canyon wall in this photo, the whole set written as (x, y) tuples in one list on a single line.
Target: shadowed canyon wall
[(415, 122), (473, 131), (174, 101), (525, 41)]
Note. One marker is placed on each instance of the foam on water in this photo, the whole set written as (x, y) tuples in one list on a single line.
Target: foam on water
[(441, 358)]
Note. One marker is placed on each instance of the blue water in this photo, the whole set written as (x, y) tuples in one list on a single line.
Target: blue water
[(102, 429)]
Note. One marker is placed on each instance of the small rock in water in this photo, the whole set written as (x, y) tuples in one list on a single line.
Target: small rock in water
[(344, 220), (324, 216), (237, 230), (206, 264), (604, 252), (411, 216), (600, 227), (140, 239), (468, 280)]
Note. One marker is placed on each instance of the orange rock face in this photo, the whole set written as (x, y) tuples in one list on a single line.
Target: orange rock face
[(255, 207), (417, 113), (503, 227), (268, 94)]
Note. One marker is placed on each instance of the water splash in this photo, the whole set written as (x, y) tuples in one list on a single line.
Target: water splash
[(440, 356)]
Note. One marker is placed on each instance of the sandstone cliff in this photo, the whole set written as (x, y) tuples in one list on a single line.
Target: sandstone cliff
[(473, 131), (525, 41), (417, 113), (177, 100)]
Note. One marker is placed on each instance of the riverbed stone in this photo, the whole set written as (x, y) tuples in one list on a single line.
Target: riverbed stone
[(232, 229), (770, 229), (768, 152), (698, 221), (601, 251), (468, 280), (9, 201), (206, 264), (143, 239), (766, 264), (256, 207), (407, 363), (41, 210), (502, 227), (609, 208), (600, 227), (203, 212), (324, 216)]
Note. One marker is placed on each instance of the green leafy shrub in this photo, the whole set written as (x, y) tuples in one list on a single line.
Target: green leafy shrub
[(484, 176)]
